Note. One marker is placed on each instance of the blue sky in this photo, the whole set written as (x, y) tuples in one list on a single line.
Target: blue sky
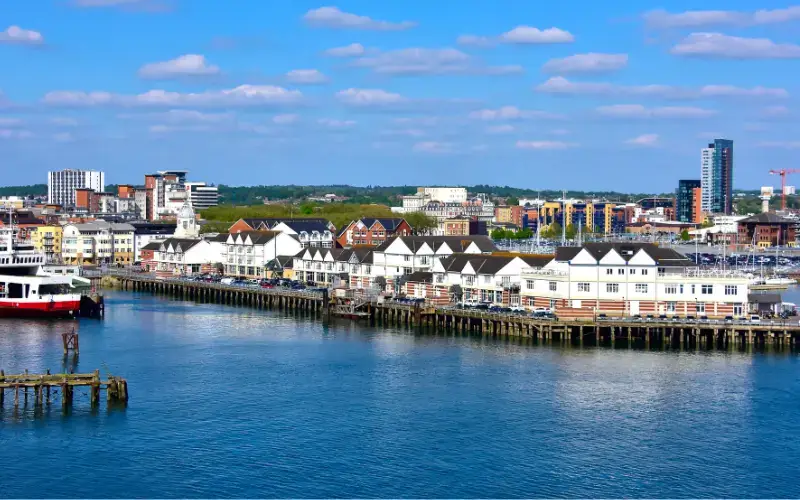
[(573, 94)]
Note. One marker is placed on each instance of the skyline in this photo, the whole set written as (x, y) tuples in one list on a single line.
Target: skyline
[(360, 93)]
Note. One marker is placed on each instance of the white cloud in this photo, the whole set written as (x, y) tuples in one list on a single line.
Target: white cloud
[(780, 144), (586, 63), (563, 86), (63, 137), (530, 35), (19, 36), (6, 133), (510, 113), (644, 140), (434, 147), (352, 50), (639, 111), (475, 41), (545, 145), (188, 65), (332, 17), (166, 129), (733, 47), (9, 122), (62, 121), (337, 124), (306, 76), (698, 18), (243, 95), (369, 97), (500, 129), (421, 61), (285, 119)]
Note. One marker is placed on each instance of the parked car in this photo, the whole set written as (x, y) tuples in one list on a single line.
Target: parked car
[(755, 319)]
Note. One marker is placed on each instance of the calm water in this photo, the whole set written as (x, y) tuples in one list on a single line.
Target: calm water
[(238, 403)]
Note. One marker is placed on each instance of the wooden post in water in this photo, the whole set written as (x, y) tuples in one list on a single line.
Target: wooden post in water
[(70, 341)]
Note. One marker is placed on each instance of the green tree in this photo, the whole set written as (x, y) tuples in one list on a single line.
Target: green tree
[(706, 224), (571, 231), (512, 200), (420, 223), (523, 234), (685, 235), (499, 234)]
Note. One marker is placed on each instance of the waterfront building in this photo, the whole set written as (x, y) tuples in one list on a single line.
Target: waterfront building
[(326, 266), (157, 186), (716, 171), (47, 240), (186, 226), (659, 227), (145, 233), (176, 257), (147, 256), (61, 185), (308, 233), (690, 201), (372, 231), (626, 279), (767, 230), (403, 255), (11, 202), (252, 254), (506, 214), (98, 242), (493, 279)]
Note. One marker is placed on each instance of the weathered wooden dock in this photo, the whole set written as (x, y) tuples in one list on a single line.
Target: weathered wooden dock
[(42, 387), (679, 333)]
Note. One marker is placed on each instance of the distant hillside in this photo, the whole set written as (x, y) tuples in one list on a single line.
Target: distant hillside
[(32, 190)]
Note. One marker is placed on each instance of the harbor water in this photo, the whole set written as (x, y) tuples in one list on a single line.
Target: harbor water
[(235, 402)]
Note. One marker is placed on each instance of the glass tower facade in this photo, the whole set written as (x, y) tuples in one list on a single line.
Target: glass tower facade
[(686, 202)]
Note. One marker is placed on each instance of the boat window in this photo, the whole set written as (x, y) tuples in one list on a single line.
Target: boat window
[(15, 291), (53, 289)]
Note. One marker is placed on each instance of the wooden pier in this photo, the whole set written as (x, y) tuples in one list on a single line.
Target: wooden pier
[(42, 387), (681, 333)]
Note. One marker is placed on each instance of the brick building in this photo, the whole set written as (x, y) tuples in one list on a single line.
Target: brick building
[(766, 230)]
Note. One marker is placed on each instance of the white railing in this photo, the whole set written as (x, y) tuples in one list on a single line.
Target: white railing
[(543, 272)]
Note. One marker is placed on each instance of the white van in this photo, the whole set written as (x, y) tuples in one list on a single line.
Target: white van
[(755, 319), (226, 281)]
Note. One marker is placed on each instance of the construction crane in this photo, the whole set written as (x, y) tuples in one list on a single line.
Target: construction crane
[(783, 172)]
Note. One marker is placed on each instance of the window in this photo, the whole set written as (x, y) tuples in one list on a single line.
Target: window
[(700, 307), (641, 288), (529, 284), (671, 289), (681, 289), (620, 271), (553, 303), (406, 270), (707, 289), (609, 271), (632, 271), (469, 280), (692, 289), (612, 287), (737, 309), (731, 290), (661, 271), (584, 287), (644, 272), (552, 286), (407, 258), (672, 307)]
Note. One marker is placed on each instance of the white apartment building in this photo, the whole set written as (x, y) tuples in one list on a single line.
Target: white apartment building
[(249, 253), (707, 179), (324, 266), (61, 184), (308, 233), (424, 195), (404, 255), (97, 243), (201, 195), (177, 256), (626, 279)]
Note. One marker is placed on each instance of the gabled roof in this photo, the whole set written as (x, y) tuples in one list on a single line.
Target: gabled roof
[(309, 226), (390, 224), (219, 238), (153, 245), (257, 237), (457, 243), (180, 244), (488, 264), (662, 256), (419, 277), (270, 222)]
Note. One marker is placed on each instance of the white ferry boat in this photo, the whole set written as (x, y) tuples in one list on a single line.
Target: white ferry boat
[(25, 289)]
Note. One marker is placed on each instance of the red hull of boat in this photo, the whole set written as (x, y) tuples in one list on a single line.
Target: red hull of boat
[(10, 308)]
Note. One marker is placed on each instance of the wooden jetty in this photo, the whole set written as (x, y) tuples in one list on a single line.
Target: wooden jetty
[(679, 333), (42, 386)]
